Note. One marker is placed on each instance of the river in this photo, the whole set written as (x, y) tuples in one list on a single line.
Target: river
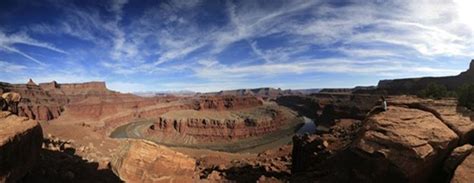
[(308, 126)]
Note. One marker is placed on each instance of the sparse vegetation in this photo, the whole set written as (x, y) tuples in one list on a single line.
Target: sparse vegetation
[(466, 96), (435, 91)]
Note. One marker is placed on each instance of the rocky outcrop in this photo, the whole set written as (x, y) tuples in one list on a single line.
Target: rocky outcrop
[(414, 85), (465, 172), (144, 161), (402, 145), (35, 103), (414, 141), (311, 151), (456, 118), (20, 146)]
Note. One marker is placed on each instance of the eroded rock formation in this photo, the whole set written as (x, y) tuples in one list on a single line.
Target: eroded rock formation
[(20, 146), (144, 161), (403, 145), (414, 141), (209, 130), (35, 103)]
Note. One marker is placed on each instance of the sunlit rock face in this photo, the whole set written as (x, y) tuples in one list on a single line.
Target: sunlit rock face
[(144, 161), (403, 144), (465, 172)]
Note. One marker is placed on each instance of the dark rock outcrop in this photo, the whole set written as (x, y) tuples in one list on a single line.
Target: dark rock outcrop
[(20, 146), (325, 107)]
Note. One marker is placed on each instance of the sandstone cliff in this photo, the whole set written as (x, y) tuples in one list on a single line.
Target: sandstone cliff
[(47, 101), (208, 129), (36, 103), (20, 146)]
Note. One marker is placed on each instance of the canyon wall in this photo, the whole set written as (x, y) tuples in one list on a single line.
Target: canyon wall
[(35, 103), (325, 107), (47, 101), (226, 102), (211, 130), (153, 108)]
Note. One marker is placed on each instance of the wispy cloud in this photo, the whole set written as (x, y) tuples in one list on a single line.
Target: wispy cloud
[(238, 43), (8, 42)]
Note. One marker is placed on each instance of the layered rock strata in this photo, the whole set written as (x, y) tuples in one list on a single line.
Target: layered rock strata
[(209, 130), (35, 103)]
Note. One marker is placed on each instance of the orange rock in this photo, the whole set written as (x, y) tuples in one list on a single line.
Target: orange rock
[(465, 172), (406, 144), (144, 161)]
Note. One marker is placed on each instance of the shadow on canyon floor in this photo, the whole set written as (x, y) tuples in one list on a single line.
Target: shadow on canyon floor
[(248, 173), (56, 166)]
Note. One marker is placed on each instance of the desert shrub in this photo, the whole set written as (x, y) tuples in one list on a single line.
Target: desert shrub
[(434, 91), (466, 96)]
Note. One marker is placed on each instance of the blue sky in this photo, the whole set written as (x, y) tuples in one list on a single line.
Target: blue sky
[(213, 45)]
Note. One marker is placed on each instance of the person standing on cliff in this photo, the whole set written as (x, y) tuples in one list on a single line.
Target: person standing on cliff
[(384, 103)]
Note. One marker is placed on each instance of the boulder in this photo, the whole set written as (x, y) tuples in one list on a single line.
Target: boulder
[(465, 172), (145, 161), (20, 146), (446, 110), (402, 145)]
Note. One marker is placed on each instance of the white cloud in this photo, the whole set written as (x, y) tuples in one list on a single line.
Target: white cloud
[(6, 67), (8, 42), (127, 87), (378, 38)]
